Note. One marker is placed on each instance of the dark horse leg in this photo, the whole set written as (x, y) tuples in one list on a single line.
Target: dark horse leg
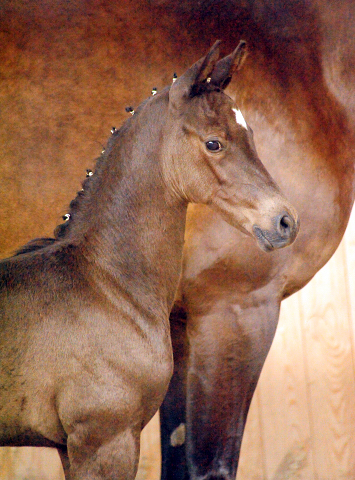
[(227, 349), (173, 409)]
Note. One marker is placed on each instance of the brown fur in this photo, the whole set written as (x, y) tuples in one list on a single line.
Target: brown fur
[(68, 71), (85, 350)]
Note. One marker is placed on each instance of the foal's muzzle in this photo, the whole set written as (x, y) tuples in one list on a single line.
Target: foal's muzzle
[(284, 233)]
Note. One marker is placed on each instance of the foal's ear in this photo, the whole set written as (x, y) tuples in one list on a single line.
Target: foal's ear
[(203, 76), (224, 69), (208, 73), (196, 78)]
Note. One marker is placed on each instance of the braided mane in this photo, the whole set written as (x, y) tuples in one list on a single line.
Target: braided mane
[(62, 230)]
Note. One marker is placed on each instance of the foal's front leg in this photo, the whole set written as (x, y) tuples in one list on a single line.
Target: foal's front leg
[(97, 456)]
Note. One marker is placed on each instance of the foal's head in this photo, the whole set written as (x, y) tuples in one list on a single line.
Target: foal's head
[(210, 155)]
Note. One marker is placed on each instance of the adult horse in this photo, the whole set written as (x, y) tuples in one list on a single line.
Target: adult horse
[(60, 67)]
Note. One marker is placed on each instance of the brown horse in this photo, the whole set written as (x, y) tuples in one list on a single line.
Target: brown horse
[(68, 69), (86, 355)]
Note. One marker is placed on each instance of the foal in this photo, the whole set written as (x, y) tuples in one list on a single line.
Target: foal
[(85, 352)]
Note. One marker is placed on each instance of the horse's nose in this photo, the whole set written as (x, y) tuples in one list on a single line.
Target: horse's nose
[(287, 227), (283, 233)]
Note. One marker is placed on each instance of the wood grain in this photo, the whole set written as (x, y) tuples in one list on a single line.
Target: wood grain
[(327, 333), (252, 459), (150, 458), (349, 246), (30, 464), (283, 394)]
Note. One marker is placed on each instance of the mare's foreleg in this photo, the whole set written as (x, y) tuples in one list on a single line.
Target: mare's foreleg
[(172, 411), (219, 373), (227, 351)]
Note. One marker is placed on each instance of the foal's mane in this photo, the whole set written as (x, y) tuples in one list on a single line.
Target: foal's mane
[(216, 82), (62, 230)]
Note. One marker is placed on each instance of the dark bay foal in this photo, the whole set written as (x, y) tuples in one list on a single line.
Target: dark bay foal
[(85, 350)]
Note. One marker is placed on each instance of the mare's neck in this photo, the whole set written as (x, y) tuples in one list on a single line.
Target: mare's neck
[(131, 228)]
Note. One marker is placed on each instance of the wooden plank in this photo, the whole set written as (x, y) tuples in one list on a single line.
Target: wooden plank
[(327, 335), (251, 464), (30, 464), (150, 458), (349, 244), (283, 401)]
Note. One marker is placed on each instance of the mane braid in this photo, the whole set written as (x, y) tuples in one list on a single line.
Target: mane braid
[(62, 230)]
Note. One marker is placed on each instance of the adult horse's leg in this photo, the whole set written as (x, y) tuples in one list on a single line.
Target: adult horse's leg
[(224, 367), (229, 308), (173, 409)]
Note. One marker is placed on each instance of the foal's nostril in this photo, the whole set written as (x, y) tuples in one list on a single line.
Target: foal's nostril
[(285, 222), (286, 225)]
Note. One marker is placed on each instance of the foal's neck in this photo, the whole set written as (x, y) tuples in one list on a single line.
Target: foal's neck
[(131, 228)]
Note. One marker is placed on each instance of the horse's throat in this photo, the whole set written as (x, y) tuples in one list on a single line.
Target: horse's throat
[(137, 244)]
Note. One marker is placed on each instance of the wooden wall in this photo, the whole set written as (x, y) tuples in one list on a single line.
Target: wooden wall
[(302, 420)]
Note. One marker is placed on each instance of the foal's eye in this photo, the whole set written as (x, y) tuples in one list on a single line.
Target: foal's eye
[(214, 145)]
